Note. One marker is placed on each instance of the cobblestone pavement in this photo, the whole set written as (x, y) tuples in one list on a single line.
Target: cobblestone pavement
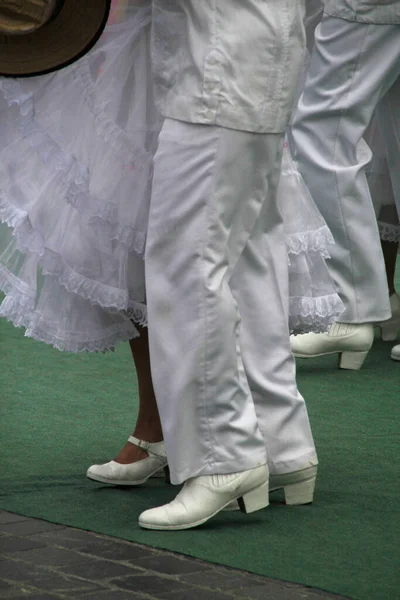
[(44, 561)]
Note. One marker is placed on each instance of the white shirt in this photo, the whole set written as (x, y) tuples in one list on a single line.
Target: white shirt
[(233, 63), (380, 12)]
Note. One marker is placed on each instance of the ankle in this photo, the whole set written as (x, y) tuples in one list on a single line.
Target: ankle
[(148, 434)]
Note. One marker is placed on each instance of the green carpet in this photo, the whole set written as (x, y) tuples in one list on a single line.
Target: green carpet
[(60, 413)]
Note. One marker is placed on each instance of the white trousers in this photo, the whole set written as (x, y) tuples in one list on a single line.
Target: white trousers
[(352, 67), (217, 293), (388, 113)]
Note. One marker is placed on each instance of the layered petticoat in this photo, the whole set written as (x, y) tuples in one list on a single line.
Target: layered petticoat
[(76, 158)]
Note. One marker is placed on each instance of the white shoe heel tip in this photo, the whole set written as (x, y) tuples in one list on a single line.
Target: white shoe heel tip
[(352, 361), (300, 493), (255, 500)]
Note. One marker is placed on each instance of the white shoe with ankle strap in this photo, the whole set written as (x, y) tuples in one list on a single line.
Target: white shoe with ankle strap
[(135, 473)]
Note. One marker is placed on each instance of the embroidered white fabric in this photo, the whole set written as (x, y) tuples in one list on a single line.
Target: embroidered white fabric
[(76, 151), (388, 232)]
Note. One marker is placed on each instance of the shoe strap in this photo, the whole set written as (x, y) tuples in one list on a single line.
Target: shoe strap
[(157, 449)]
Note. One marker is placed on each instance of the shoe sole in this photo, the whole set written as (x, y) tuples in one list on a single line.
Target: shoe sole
[(160, 473), (348, 359)]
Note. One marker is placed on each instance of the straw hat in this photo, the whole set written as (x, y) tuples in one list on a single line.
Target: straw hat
[(40, 36)]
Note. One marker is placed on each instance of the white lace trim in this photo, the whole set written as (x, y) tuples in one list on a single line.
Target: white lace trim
[(388, 232), (314, 314), (17, 310), (106, 128), (9, 284), (75, 175), (30, 240), (310, 241), (137, 313)]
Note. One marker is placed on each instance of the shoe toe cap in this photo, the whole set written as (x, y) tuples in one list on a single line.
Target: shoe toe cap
[(396, 352), (105, 470), (155, 517)]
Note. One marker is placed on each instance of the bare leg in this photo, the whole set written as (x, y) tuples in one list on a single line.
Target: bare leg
[(148, 425), (390, 250)]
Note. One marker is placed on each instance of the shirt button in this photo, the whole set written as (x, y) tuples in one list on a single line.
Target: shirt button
[(211, 88), (212, 61), (209, 114)]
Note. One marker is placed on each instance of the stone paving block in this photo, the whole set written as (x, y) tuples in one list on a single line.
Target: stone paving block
[(17, 544), (220, 579), (197, 594), (150, 584), (34, 576), (6, 517), (36, 597), (68, 538), (54, 582), (98, 569), (110, 595), (4, 586), (19, 571), (171, 565), (29, 527), (51, 556), (117, 550)]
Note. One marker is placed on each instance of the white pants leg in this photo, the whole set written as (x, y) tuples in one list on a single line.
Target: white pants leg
[(210, 185), (353, 65), (388, 113), (260, 287)]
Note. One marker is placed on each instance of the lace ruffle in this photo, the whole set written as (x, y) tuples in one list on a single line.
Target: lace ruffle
[(30, 241), (389, 233), (18, 311), (310, 241), (313, 314), (101, 216)]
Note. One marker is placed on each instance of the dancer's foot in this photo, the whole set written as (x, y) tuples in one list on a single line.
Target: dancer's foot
[(203, 497), (352, 341), (135, 464)]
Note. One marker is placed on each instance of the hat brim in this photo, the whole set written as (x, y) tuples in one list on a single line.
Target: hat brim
[(57, 44)]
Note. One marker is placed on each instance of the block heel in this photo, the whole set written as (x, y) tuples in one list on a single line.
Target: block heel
[(300, 493), (167, 475), (352, 360), (389, 334), (255, 500)]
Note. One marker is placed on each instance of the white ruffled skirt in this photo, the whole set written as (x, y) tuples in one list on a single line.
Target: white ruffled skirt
[(76, 158)]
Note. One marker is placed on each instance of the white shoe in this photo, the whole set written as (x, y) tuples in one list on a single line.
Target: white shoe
[(203, 497), (298, 486), (351, 340), (134, 473), (391, 327), (396, 353)]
